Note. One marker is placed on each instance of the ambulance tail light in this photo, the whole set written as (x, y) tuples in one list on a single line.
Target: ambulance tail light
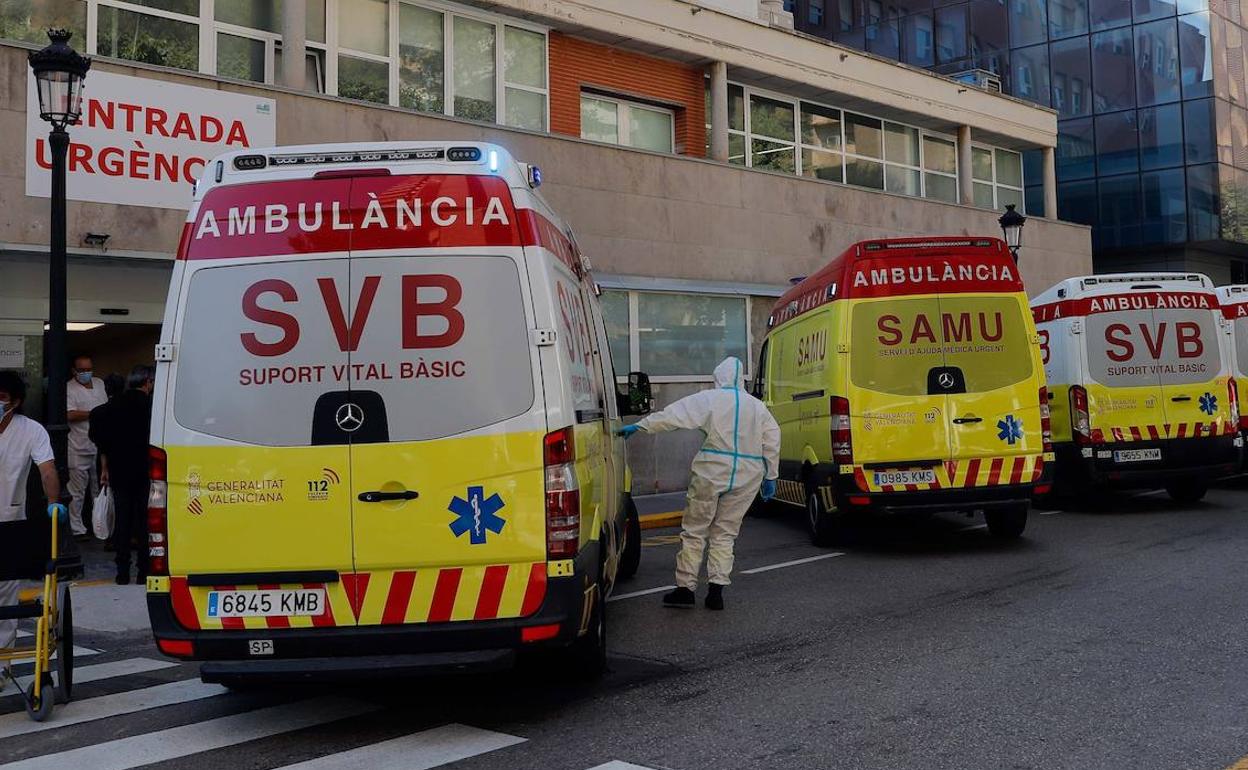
[(563, 495), (842, 438), (1046, 423), (1080, 422), (158, 512)]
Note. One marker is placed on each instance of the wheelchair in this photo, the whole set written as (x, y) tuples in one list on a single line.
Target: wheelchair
[(30, 550)]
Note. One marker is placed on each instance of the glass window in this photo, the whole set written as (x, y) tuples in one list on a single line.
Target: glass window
[(527, 109), (821, 126), (1161, 136), (1119, 212), (990, 40), (951, 34), (822, 165), (27, 21), (363, 79), (1196, 55), (771, 118), (901, 144), (773, 156), (864, 173), (814, 13), (1239, 137), (240, 57), (364, 25), (1076, 152), (884, 39), (1027, 22), (524, 57), (650, 129), (736, 108), (473, 69), (684, 334), (1034, 198), (1009, 168), (1067, 17), (255, 14), (187, 7), (984, 196), (1113, 71), (901, 180), (1008, 195), (1198, 136), (736, 149), (1076, 202), (941, 188), (1204, 205), (1107, 14), (1072, 77), (316, 20), (615, 314), (149, 39), (1164, 218), (940, 155), (863, 135), (918, 39), (981, 164), (1157, 62), (1146, 10), (1031, 74), (421, 59), (599, 120), (1117, 145), (313, 70)]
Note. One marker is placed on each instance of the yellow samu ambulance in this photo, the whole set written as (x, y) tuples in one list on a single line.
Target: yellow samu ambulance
[(906, 378), (1139, 371), (383, 432)]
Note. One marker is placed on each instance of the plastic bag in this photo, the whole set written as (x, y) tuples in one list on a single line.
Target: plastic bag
[(102, 514)]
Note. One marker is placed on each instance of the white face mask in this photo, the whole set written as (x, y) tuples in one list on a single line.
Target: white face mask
[(5, 407)]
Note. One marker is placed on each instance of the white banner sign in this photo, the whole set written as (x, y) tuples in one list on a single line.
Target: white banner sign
[(12, 352), (144, 142)]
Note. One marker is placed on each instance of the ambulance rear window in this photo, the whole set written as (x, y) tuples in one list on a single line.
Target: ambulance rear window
[(439, 344), (1167, 346), (895, 343)]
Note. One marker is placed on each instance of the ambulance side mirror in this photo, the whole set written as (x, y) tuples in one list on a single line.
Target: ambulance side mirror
[(636, 400)]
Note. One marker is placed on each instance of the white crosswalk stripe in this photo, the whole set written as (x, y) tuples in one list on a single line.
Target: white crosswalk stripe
[(79, 652), (178, 742), (105, 706), (110, 670), (418, 751), (616, 764)]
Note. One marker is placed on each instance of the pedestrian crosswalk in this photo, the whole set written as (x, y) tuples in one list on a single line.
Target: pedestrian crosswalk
[(127, 728)]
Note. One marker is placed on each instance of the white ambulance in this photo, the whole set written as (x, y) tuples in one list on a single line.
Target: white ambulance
[(384, 420), (1140, 382), (1234, 301)]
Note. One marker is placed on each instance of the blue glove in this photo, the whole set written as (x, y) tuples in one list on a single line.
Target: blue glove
[(768, 489), (57, 511), (627, 430)]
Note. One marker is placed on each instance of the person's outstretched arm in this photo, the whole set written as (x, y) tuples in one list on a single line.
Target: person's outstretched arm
[(689, 412)]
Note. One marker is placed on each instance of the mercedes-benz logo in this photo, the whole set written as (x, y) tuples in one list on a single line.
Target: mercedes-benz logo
[(945, 379), (349, 418)]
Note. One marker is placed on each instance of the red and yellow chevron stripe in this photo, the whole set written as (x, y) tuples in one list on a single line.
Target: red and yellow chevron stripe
[(954, 474), (432, 595), (1129, 434)]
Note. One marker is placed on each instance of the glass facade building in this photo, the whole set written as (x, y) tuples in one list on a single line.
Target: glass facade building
[(1151, 99)]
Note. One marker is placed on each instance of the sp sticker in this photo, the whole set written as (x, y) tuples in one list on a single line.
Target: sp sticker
[(1010, 429), (477, 515), (1209, 403)]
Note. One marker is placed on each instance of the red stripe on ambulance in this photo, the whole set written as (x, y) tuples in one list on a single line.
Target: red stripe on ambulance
[(397, 598), (274, 621), (535, 592), (327, 618), (444, 595), (491, 592), (183, 604), (356, 586)]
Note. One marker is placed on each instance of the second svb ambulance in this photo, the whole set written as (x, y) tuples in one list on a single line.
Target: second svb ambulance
[(906, 378), (1139, 371), (1234, 301), (383, 421)]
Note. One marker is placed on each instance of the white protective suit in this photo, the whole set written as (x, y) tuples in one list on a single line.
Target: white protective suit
[(742, 448)]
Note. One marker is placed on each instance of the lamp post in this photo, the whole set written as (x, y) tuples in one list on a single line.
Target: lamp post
[(1012, 227), (59, 72)]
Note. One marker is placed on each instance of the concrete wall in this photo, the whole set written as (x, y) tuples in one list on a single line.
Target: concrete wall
[(635, 213)]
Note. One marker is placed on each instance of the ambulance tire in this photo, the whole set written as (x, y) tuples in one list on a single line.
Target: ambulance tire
[(588, 653), (826, 527), (630, 559), (1008, 523), (1187, 491)]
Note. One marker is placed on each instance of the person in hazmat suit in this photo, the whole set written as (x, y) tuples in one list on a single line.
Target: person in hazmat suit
[(739, 458)]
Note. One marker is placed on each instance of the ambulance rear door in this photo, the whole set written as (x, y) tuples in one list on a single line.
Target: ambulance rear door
[(1192, 370), (447, 464), (1126, 345)]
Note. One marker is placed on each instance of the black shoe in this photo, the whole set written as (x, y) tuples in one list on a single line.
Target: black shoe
[(681, 597), (122, 579), (714, 596)]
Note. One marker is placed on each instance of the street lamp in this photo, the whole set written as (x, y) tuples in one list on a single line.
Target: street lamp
[(1012, 227), (59, 71)]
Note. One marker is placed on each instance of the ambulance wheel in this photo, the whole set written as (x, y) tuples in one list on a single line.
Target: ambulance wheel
[(1007, 524), (825, 526), (589, 652), (65, 648), (630, 558), (1187, 491), (39, 707)]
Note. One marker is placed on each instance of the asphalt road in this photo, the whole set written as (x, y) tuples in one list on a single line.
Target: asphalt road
[(1109, 637)]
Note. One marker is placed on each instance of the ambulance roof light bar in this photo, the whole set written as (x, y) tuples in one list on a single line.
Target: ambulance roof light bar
[(257, 162), (1135, 278), (930, 244)]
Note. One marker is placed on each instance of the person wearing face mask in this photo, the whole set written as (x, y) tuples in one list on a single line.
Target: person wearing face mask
[(82, 394), (22, 442)]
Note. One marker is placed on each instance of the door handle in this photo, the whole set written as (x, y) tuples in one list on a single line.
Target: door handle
[(381, 497), (965, 420), (1180, 398)]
